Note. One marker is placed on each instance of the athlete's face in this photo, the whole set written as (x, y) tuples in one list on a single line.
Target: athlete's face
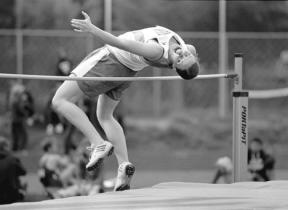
[(181, 58)]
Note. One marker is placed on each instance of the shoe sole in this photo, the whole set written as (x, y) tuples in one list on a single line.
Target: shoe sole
[(100, 161), (130, 170)]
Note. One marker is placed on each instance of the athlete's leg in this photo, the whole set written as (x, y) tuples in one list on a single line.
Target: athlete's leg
[(63, 102), (113, 130), (115, 134)]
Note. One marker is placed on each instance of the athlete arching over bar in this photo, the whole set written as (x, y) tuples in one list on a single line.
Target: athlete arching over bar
[(121, 56)]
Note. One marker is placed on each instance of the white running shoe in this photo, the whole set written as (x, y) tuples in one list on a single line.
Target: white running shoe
[(98, 153), (125, 173)]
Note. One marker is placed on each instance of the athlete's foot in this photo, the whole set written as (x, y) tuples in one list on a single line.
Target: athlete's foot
[(125, 174), (98, 153)]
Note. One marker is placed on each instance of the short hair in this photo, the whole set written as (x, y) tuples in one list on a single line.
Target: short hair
[(257, 140), (189, 73)]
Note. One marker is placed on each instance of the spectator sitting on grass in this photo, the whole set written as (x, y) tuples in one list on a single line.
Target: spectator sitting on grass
[(12, 189), (260, 163), (89, 182), (224, 170), (55, 170)]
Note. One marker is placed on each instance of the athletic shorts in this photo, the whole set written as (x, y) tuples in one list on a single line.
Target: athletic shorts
[(102, 63)]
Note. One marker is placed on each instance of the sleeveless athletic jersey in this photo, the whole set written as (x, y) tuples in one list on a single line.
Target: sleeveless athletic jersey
[(135, 62)]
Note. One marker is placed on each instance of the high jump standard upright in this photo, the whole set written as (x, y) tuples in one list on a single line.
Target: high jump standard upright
[(240, 123)]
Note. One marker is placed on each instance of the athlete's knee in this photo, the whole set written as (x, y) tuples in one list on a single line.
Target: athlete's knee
[(56, 103)]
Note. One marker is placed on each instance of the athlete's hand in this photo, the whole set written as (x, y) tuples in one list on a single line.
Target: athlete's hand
[(82, 25)]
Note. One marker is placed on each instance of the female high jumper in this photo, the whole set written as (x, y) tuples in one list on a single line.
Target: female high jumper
[(121, 56)]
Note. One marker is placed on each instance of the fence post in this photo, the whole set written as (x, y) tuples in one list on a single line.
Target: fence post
[(19, 37), (108, 15), (240, 124), (223, 85), (157, 94), (178, 93)]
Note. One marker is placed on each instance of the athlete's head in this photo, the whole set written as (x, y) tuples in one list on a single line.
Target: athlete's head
[(184, 61)]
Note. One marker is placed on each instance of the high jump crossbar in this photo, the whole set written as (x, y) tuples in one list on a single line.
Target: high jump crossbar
[(62, 78)]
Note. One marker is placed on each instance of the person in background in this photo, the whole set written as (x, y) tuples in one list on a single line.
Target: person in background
[(21, 107), (12, 188), (260, 163), (224, 168), (95, 177), (55, 170), (64, 64), (89, 182)]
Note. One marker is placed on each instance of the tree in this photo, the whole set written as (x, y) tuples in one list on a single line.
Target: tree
[(55, 14), (257, 16), (181, 15), (7, 15)]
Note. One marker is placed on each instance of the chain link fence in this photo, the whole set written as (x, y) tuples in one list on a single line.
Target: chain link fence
[(41, 53), (265, 68)]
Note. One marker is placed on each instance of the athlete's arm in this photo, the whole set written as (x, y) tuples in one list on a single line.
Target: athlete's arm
[(150, 50)]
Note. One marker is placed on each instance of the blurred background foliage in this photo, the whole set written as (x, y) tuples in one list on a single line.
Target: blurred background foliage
[(193, 17), (184, 15)]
